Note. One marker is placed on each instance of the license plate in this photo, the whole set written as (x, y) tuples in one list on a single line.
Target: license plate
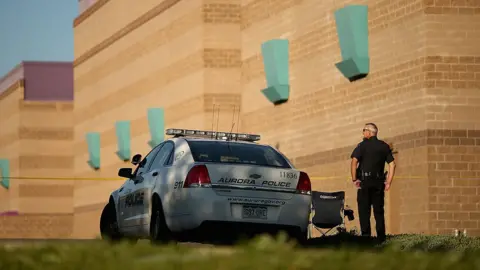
[(256, 212)]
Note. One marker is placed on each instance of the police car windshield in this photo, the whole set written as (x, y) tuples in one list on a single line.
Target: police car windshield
[(232, 152)]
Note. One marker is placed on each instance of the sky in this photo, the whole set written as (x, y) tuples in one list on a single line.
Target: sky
[(36, 30)]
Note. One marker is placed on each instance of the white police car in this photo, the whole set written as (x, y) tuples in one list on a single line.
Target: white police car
[(200, 179)]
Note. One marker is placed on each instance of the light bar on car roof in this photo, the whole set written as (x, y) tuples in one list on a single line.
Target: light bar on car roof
[(212, 134)]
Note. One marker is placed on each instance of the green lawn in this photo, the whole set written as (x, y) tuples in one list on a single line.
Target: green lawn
[(345, 252)]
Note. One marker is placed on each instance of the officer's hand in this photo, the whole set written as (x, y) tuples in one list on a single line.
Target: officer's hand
[(387, 186), (357, 183)]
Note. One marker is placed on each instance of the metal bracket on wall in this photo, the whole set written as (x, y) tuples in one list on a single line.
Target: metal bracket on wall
[(275, 55), (5, 173), (352, 31), (156, 124), (93, 141), (122, 129)]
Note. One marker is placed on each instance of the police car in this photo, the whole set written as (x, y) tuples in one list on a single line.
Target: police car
[(199, 179)]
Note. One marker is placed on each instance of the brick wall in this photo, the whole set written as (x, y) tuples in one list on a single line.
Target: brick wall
[(40, 226), (38, 141), (187, 56), (320, 125), (454, 170), (46, 150), (453, 69), (172, 57), (9, 137), (422, 77)]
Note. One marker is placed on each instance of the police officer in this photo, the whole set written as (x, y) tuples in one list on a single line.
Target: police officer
[(367, 170)]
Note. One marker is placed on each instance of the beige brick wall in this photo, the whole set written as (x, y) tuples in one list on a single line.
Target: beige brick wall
[(9, 140), (36, 226), (328, 112), (46, 150), (325, 111), (187, 56), (172, 60), (37, 138), (454, 170), (108, 20), (453, 80)]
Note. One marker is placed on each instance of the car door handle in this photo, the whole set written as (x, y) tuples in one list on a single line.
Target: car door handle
[(154, 173)]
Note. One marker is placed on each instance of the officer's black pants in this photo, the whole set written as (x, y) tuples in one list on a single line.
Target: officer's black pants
[(368, 196)]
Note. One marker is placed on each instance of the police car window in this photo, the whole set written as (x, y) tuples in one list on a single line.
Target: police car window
[(147, 160), (271, 157), (173, 155), (233, 152), (162, 155)]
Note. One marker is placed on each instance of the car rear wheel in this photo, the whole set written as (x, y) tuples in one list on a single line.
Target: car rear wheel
[(108, 224), (159, 231)]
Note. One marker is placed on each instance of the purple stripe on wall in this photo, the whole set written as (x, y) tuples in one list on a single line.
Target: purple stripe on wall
[(48, 81), (9, 213)]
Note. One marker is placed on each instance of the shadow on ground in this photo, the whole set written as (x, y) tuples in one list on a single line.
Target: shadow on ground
[(342, 240), (405, 242), (345, 240)]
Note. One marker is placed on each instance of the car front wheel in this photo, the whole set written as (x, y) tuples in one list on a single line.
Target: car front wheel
[(108, 224)]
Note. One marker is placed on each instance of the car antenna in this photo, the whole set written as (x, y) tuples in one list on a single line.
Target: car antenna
[(213, 118), (218, 118), (238, 122), (233, 124)]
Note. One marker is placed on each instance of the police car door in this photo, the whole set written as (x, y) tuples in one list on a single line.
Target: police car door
[(122, 214), (143, 188), (134, 196)]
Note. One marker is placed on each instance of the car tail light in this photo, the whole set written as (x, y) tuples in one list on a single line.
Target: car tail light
[(304, 185), (197, 177)]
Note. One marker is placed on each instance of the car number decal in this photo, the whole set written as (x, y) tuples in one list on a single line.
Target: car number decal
[(288, 175), (179, 155), (178, 185)]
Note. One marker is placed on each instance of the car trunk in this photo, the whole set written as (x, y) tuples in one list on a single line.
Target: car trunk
[(244, 180)]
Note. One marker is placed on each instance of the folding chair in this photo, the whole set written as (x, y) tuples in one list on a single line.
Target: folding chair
[(329, 211)]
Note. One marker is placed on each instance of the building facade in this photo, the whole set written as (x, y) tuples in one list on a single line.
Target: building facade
[(144, 67), (36, 145), (186, 56)]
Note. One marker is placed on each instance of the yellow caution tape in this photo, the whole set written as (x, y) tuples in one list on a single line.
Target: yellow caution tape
[(349, 178), (66, 178), (123, 179)]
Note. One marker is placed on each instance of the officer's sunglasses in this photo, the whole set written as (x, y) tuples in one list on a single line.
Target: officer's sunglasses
[(366, 129)]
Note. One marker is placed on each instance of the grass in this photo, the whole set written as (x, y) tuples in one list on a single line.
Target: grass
[(403, 242), (337, 252)]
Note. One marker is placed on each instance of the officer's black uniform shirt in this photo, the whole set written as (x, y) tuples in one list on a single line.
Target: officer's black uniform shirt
[(372, 154)]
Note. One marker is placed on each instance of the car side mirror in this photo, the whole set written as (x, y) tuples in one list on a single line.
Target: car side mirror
[(125, 172), (136, 159)]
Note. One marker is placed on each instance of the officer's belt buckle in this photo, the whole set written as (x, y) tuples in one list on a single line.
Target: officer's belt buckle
[(367, 174)]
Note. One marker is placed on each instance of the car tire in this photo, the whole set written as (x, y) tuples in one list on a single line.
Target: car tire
[(159, 231), (108, 224)]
